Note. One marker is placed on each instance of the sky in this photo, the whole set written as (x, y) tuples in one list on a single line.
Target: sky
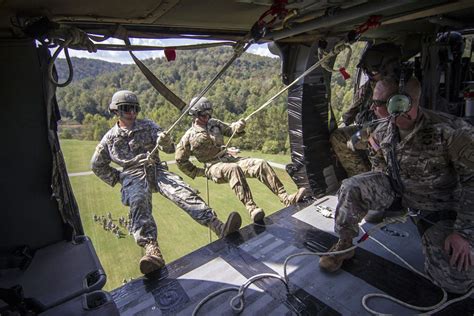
[(123, 57)]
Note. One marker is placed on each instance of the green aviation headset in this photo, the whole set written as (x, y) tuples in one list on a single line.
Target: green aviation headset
[(400, 102)]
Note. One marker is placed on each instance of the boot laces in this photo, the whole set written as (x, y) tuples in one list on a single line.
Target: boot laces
[(341, 245), (152, 249)]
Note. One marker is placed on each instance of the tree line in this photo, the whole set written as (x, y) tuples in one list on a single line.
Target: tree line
[(247, 84)]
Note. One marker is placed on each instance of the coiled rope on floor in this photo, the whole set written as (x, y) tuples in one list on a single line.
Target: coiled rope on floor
[(239, 307), (429, 310)]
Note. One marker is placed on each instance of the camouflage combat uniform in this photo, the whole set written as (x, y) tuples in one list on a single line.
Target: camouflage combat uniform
[(436, 173), (126, 148), (354, 162), (206, 145)]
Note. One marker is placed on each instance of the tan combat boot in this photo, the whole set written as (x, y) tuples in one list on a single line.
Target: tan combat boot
[(232, 225), (332, 263), (294, 198), (152, 260), (256, 214)]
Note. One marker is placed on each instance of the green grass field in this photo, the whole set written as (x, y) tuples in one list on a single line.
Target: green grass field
[(178, 234)]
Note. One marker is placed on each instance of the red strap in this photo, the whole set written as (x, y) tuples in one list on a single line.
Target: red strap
[(170, 54), (371, 23), (277, 10), (344, 73), (363, 238)]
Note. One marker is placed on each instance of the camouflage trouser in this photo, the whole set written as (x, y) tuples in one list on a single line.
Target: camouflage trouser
[(235, 171), (354, 162), (357, 195), (137, 193), (372, 190), (437, 260)]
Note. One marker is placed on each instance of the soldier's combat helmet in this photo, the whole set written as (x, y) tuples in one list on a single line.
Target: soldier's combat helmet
[(123, 98), (203, 106), (384, 58)]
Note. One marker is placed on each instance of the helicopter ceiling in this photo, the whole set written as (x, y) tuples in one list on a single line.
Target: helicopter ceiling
[(286, 20)]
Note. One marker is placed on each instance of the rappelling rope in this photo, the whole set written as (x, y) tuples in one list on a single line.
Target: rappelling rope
[(336, 50), (238, 50), (352, 36), (69, 64), (65, 37), (257, 31), (209, 205)]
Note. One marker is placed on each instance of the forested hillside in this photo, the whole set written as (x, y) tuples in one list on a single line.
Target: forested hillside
[(247, 84), (85, 68)]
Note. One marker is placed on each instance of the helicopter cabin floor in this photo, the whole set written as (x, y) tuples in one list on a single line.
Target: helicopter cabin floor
[(182, 284)]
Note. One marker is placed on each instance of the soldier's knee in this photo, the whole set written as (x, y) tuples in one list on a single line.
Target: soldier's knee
[(138, 201), (260, 163), (337, 136), (339, 145), (437, 261), (348, 185), (235, 169)]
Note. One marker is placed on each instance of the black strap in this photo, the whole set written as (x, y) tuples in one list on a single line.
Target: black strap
[(426, 219), (156, 83), (394, 167)]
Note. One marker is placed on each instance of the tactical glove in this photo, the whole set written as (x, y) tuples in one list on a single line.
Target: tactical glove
[(164, 140), (239, 126)]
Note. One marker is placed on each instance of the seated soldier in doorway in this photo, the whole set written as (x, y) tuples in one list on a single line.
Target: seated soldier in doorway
[(377, 62), (205, 140), (430, 160), (128, 144)]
